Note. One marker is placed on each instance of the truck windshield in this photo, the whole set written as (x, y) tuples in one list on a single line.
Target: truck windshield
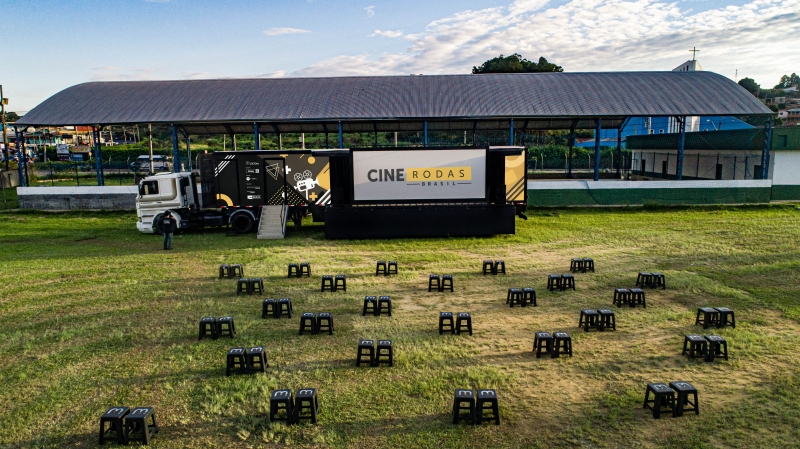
[(148, 188)]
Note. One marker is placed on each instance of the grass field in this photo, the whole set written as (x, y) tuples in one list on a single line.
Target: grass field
[(94, 314)]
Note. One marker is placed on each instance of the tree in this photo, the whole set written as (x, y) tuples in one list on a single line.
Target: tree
[(751, 85), (516, 64), (11, 117), (788, 81)]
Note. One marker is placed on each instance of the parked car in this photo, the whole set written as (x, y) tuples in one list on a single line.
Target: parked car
[(142, 164)]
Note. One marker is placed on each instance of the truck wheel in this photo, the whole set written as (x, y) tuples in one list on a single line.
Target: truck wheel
[(242, 223), (157, 229)]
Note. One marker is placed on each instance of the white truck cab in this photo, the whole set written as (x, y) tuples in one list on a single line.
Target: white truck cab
[(160, 193)]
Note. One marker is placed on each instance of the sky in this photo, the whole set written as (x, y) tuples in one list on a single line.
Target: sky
[(49, 45)]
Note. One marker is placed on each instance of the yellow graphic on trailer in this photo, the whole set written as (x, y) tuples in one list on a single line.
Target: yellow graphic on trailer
[(225, 198), (515, 178)]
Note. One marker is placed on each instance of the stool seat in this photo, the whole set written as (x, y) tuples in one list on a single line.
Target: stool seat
[(636, 297), (682, 402), (663, 397), (327, 283), (366, 349), (695, 346), (589, 319), (621, 296), (464, 397), (446, 322), (528, 296), (325, 322), (340, 281), (707, 316), (114, 417), (717, 347), (370, 305), (607, 319), (542, 344), (588, 264), (224, 271), (208, 327), (281, 400), (306, 401), (226, 326), (447, 283), (305, 269), (236, 270), (236, 360), (384, 353), (553, 282), (257, 359), (487, 398), (308, 322), (384, 303), (284, 307), (567, 281), (434, 282), (392, 268), (514, 296), (499, 267), (726, 317), (136, 422), (463, 323), (269, 307), (381, 268), (294, 270), (576, 265), (562, 344), (488, 267)]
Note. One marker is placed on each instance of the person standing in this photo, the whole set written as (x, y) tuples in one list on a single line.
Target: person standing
[(168, 225)]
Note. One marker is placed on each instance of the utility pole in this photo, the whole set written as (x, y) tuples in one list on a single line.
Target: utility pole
[(3, 103), (150, 142)]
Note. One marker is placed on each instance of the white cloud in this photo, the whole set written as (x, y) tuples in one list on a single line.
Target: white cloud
[(596, 35), (370, 11), (281, 31), (387, 33), (112, 73)]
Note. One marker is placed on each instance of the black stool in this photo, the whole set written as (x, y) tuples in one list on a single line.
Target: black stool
[(236, 270), (463, 323), (446, 322), (269, 307), (384, 302), (542, 343), (717, 347), (327, 283), (588, 264), (514, 296), (384, 353), (447, 282), (607, 320), (392, 267), (487, 398), (554, 282), (499, 266), (136, 422), (685, 389), (294, 270), (281, 400), (464, 397), (707, 316), (340, 281), (256, 286), (284, 306), (306, 400), (644, 279), (208, 326), (225, 326), (488, 267), (636, 297), (257, 359), (224, 271), (528, 296), (308, 322), (114, 417), (237, 359), (305, 269), (658, 280), (370, 305), (380, 268), (562, 344), (575, 265), (433, 281), (589, 319), (726, 317), (325, 322), (242, 286), (695, 346), (663, 396), (366, 348), (567, 281), (621, 296)]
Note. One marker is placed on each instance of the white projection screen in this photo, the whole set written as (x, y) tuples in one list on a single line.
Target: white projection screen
[(419, 175)]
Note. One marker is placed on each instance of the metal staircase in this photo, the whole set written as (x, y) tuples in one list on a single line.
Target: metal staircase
[(273, 222)]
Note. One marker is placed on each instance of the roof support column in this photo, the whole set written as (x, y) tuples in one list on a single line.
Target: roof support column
[(571, 140), (619, 151), (425, 133), (511, 134), (188, 152), (176, 157), (341, 136), (765, 150), (257, 137), (681, 144), (98, 156), (597, 151), (22, 166)]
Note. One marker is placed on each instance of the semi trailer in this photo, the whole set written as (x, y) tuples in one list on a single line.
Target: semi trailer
[(358, 192)]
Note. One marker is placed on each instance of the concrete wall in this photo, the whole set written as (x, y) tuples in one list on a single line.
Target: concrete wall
[(610, 193), (785, 174), (697, 164), (69, 198)]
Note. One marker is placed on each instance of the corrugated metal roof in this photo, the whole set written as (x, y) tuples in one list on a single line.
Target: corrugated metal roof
[(398, 103)]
